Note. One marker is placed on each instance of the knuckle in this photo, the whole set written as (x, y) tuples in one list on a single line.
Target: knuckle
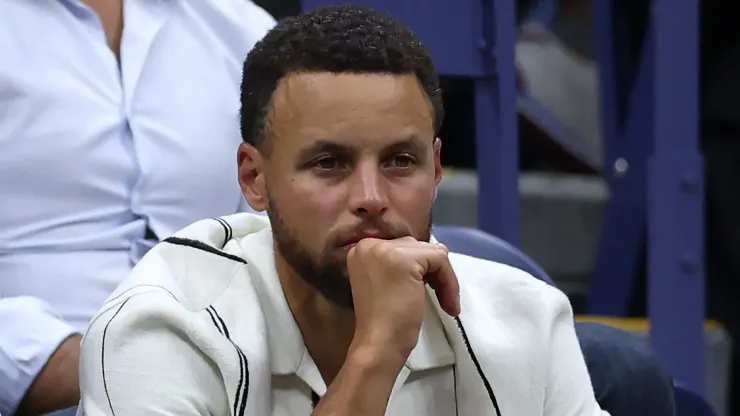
[(393, 254), (380, 247), (369, 246), (375, 249), (439, 256)]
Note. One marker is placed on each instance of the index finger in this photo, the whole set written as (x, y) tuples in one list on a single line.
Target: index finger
[(443, 280)]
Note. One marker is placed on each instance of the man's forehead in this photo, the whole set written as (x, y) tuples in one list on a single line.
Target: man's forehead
[(325, 85), (350, 108), (315, 93)]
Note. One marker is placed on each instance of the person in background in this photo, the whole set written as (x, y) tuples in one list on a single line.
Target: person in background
[(323, 308), (118, 125)]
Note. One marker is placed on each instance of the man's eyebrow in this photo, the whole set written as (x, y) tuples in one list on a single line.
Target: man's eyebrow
[(324, 146), (337, 148), (410, 142)]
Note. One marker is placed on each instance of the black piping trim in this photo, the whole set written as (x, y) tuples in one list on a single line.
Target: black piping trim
[(187, 242), (102, 356), (242, 389), (221, 321), (228, 231), (315, 399), (483, 378), (213, 319), (245, 391), (127, 291), (231, 230), (454, 381)]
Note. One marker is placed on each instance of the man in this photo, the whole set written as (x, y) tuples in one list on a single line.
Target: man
[(325, 308), (109, 139)]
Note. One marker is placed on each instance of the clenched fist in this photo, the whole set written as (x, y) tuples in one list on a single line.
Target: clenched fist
[(388, 279)]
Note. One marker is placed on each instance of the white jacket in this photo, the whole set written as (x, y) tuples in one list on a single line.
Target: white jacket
[(201, 328)]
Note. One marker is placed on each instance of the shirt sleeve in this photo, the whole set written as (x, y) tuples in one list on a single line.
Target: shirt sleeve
[(569, 388), (30, 332), (257, 18), (138, 359)]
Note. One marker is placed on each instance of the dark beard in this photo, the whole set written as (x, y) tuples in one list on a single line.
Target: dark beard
[(328, 274)]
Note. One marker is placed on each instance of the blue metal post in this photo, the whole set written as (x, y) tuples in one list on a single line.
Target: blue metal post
[(655, 180), (675, 196), (627, 106), (497, 140)]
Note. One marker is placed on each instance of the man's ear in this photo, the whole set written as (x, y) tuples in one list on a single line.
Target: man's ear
[(438, 171), (250, 162)]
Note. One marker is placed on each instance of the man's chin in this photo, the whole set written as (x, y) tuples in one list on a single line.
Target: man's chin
[(339, 294)]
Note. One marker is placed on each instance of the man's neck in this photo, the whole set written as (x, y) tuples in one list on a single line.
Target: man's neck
[(327, 329)]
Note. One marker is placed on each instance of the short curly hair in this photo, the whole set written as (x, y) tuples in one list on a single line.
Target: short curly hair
[(346, 38)]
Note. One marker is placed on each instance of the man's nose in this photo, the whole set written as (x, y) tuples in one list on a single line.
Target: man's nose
[(368, 196)]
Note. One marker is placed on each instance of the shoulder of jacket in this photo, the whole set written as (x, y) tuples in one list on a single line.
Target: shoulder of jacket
[(498, 285)]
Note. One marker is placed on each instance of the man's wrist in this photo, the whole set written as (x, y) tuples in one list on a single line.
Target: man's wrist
[(364, 384), (369, 361)]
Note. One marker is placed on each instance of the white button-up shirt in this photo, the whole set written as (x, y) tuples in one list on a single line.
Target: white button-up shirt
[(93, 153)]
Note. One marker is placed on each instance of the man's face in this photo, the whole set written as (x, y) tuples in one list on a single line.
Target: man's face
[(351, 156)]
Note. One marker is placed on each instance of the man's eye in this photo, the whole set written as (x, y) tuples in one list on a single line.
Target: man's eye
[(402, 161), (326, 163)]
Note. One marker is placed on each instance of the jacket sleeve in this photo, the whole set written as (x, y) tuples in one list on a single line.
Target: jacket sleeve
[(138, 359), (30, 332), (569, 391)]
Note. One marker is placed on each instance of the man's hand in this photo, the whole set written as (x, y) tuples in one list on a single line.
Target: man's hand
[(388, 279), (57, 386)]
